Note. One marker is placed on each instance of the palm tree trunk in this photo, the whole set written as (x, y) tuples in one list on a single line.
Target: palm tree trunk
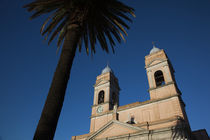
[(54, 102)]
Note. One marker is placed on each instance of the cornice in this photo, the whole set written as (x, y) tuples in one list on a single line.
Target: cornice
[(169, 83), (100, 104)]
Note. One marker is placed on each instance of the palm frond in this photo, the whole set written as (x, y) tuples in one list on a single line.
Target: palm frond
[(103, 21), (57, 31)]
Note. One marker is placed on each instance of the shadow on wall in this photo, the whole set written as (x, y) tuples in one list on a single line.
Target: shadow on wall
[(181, 131)]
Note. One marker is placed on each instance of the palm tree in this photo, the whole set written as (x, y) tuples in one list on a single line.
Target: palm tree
[(75, 22)]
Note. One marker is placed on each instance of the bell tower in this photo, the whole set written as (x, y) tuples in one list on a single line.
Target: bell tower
[(106, 92), (160, 74)]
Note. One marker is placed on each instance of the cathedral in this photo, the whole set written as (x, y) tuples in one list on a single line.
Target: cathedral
[(163, 117)]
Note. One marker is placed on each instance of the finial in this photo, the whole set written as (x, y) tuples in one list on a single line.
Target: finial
[(107, 68), (154, 49), (153, 43), (107, 64)]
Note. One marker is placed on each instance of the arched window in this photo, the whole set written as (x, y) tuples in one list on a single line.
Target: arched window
[(101, 97), (159, 79), (131, 121)]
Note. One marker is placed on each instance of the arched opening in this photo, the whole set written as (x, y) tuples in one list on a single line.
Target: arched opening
[(131, 121), (159, 79), (101, 97)]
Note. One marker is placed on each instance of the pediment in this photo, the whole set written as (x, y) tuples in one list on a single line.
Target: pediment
[(156, 61), (101, 82), (114, 128)]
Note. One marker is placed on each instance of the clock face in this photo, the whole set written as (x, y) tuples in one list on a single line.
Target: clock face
[(99, 109)]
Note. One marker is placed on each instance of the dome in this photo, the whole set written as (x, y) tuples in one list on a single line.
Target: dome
[(106, 69), (154, 50)]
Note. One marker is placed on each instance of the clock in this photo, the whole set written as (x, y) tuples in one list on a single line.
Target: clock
[(99, 109)]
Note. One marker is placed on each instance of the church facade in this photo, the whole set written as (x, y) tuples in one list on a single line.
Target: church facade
[(163, 117)]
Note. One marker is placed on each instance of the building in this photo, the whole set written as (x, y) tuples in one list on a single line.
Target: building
[(163, 117)]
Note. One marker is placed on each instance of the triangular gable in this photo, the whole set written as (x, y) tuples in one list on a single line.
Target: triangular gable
[(114, 128), (156, 61), (101, 82)]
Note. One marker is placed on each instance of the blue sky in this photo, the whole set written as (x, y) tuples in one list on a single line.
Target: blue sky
[(181, 28)]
